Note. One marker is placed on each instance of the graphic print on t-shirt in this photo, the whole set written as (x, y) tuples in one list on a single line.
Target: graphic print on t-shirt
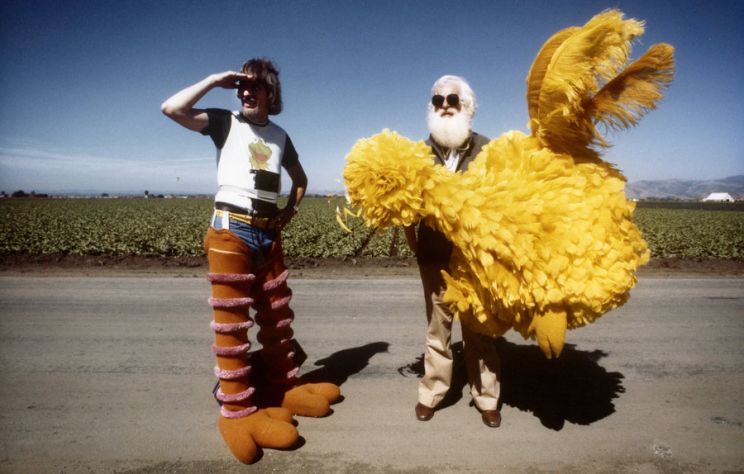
[(260, 154)]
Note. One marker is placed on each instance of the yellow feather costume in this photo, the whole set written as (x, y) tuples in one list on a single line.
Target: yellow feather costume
[(542, 230)]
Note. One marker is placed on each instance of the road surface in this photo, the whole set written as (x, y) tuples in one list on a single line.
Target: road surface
[(113, 374)]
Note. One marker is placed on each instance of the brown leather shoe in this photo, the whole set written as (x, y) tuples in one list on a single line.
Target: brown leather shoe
[(423, 413), (491, 418)]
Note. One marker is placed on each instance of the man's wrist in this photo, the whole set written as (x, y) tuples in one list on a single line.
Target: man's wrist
[(215, 80)]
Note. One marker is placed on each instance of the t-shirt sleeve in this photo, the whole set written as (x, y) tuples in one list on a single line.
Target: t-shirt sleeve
[(218, 127), (290, 157)]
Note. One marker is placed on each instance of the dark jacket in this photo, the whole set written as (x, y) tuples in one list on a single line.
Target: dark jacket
[(432, 246)]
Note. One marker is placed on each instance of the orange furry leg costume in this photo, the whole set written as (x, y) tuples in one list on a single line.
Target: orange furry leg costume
[(275, 317), (244, 428)]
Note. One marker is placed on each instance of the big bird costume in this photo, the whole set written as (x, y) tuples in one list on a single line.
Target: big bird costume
[(542, 231)]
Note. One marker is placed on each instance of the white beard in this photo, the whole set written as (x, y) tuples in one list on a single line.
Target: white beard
[(450, 131)]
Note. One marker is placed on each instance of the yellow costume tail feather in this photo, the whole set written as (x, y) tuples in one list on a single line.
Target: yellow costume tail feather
[(539, 68), (579, 64), (625, 99)]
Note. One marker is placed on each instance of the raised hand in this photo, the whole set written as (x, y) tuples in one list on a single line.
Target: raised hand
[(228, 79)]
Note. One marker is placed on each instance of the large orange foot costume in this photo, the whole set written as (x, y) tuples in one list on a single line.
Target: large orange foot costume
[(244, 427)]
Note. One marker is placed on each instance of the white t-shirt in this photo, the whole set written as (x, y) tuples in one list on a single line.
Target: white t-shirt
[(249, 158)]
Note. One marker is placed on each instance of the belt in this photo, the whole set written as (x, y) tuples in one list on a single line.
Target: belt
[(263, 223), (223, 206)]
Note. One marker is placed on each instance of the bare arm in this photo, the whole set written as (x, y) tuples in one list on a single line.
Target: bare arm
[(180, 106), (299, 186)]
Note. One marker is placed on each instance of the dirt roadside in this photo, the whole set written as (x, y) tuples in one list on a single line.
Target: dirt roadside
[(315, 268)]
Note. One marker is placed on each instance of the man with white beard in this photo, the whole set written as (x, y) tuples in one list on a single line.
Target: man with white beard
[(455, 145)]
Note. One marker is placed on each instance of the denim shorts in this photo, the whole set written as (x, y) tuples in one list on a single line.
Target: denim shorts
[(258, 240)]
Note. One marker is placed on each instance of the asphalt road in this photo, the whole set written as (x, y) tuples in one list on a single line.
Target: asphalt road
[(113, 374)]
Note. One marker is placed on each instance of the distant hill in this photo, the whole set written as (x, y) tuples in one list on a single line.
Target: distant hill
[(684, 189)]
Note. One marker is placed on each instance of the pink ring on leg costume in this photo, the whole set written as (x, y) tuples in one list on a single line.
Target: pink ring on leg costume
[(231, 350), (234, 397), (224, 328), (230, 277), (237, 414), (229, 302), (231, 374)]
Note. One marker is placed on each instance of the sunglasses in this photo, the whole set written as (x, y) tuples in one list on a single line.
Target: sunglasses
[(251, 84), (438, 100)]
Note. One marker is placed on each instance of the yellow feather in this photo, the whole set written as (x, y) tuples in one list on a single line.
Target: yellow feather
[(341, 222), (635, 91), (539, 67), (592, 53)]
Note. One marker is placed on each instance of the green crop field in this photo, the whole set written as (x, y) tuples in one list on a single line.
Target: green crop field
[(175, 227)]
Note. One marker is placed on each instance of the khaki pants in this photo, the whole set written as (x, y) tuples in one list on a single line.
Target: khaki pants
[(481, 358)]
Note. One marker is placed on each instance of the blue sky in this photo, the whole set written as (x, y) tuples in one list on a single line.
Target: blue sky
[(82, 82)]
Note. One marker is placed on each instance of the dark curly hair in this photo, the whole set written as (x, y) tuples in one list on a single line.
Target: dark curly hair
[(266, 71)]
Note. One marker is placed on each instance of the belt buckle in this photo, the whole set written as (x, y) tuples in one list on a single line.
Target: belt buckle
[(266, 223), (271, 223)]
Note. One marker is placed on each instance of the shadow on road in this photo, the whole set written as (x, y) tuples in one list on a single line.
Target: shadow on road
[(573, 388), (341, 365), (336, 368)]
